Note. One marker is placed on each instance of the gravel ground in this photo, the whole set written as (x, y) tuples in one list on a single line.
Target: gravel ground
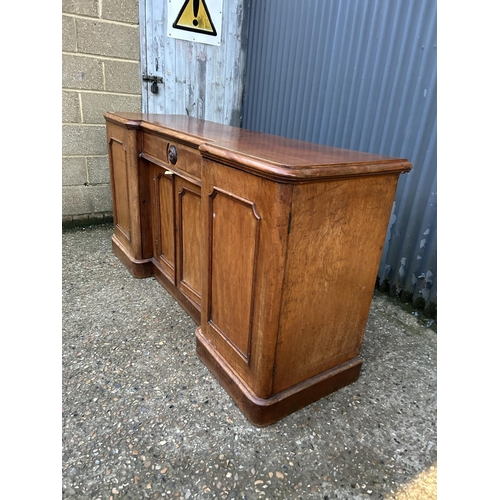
[(143, 418)]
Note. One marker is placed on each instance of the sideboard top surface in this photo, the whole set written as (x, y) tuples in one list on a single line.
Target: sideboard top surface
[(269, 155)]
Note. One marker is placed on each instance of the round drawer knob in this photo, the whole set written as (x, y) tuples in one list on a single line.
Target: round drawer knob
[(172, 155)]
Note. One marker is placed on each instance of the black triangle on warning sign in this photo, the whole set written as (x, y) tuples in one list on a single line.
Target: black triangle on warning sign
[(194, 16)]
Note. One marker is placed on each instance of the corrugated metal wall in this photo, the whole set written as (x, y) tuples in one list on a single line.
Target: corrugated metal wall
[(357, 74)]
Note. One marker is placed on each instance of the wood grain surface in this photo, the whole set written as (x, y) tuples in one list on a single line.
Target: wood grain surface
[(272, 245)]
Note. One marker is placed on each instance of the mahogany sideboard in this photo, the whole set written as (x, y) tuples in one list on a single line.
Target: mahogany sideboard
[(272, 245)]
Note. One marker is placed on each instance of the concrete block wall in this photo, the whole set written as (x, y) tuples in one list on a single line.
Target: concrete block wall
[(100, 72)]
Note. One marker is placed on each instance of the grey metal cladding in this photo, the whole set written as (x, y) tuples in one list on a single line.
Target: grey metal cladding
[(360, 75)]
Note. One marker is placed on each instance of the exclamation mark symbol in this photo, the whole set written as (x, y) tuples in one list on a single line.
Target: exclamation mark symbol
[(196, 6), (194, 16)]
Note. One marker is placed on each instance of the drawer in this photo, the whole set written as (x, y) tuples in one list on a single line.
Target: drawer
[(177, 155)]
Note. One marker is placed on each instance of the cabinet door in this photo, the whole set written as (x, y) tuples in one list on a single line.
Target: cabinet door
[(124, 188), (188, 209), (163, 219), (245, 223)]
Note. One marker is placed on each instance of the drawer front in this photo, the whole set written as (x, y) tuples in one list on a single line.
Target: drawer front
[(183, 158)]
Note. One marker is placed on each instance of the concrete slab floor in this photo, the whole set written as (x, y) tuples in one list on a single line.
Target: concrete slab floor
[(143, 418)]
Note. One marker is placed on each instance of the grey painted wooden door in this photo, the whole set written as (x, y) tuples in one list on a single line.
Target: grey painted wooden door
[(197, 79)]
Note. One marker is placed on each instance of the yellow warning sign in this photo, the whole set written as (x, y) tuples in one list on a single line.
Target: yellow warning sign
[(194, 16)]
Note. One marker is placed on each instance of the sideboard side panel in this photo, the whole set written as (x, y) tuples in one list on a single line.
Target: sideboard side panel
[(337, 234)]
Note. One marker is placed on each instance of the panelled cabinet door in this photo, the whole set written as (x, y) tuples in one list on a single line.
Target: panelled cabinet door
[(188, 216), (120, 187), (245, 221), (123, 171), (163, 219)]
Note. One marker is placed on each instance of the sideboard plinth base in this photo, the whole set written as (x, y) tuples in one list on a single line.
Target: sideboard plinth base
[(137, 268), (262, 412)]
